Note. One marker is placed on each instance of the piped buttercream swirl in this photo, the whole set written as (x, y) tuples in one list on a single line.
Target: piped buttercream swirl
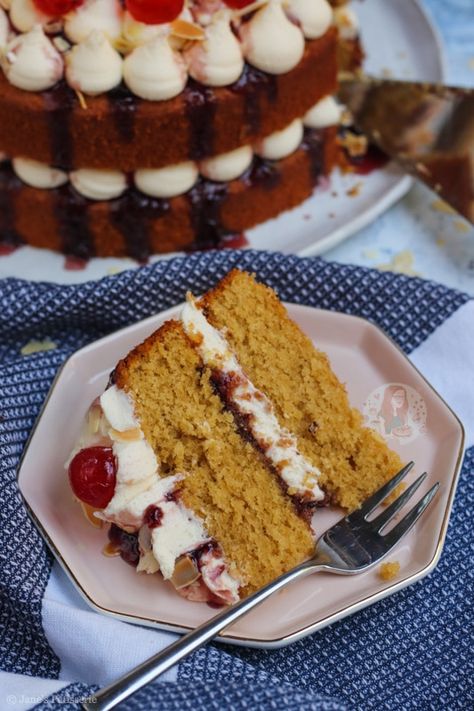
[(31, 62), (313, 16), (99, 184), (282, 143), (4, 29), (39, 175), (218, 60), (326, 112), (101, 15), (167, 182), (270, 41), (227, 166), (24, 15), (154, 71), (94, 66)]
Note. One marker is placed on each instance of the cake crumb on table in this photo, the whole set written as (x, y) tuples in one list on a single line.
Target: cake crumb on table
[(388, 571), (38, 346)]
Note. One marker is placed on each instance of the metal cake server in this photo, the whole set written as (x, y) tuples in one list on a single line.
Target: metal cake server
[(352, 546), (428, 129)]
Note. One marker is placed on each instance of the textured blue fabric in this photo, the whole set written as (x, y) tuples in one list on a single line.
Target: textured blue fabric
[(409, 651), (413, 650)]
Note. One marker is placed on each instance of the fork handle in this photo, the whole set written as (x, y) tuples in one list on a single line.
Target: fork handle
[(148, 671)]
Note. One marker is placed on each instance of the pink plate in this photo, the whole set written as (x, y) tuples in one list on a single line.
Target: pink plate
[(381, 382)]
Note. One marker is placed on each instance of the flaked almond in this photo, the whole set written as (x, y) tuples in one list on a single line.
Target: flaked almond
[(81, 98), (187, 30), (93, 418), (124, 45), (61, 44), (132, 435), (111, 550), (89, 512), (185, 572)]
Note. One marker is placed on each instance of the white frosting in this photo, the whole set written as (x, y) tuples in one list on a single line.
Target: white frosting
[(313, 16), (94, 66), (326, 112), (281, 143), (279, 445), (24, 15), (180, 531), (347, 22), (102, 15), (154, 71), (227, 166), (4, 29), (167, 182), (38, 175), (99, 184), (118, 409), (31, 62), (138, 486), (270, 41), (217, 578), (217, 61)]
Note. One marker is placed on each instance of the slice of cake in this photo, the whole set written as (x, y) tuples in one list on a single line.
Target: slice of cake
[(216, 441)]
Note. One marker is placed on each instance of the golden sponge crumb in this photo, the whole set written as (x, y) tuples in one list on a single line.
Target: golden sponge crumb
[(388, 571), (308, 398), (226, 483)]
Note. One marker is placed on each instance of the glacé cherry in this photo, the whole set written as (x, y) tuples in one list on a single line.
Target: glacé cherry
[(92, 473), (238, 4), (57, 8), (154, 12)]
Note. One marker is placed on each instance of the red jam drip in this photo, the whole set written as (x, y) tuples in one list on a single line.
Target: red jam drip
[(6, 249), (9, 186), (374, 159), (126, 543), (74, 264), (124, 105), (153, 516), (59, 103), (249, 87), (200, 104), (233, 241), (132, 215)]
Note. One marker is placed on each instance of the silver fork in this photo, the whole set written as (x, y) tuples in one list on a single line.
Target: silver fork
[(352, 546)]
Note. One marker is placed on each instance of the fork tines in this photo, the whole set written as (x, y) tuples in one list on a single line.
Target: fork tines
[(382, 520)]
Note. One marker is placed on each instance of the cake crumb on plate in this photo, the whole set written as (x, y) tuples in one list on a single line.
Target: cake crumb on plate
[(388, 571)]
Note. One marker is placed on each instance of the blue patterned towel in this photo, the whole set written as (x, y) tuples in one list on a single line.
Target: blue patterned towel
[(410, 651)]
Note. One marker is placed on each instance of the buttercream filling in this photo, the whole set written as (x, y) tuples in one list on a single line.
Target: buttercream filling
[(171, 181), (169, 533), (254, 408)]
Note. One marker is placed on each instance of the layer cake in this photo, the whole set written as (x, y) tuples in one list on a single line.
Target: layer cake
[(217, 440)]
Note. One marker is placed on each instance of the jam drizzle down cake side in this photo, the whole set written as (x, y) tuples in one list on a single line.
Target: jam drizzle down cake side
[(203, 469), (138, 128)]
